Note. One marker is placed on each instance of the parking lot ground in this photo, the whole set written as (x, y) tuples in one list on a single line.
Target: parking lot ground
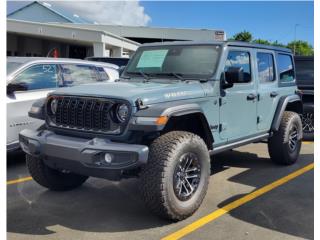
[(102, 209)]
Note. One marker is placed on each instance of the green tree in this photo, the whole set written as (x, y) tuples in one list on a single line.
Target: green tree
[(243, 36), (278, 44), (300, 47), (262, 41)]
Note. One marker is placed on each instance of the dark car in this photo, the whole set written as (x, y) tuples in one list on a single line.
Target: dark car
[(305, 82), (117, 61)]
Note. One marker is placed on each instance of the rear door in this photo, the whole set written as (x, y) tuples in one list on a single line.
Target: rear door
[(268, 90)]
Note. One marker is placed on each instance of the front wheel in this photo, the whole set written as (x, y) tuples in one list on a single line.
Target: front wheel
[(175, 179), (285, 144), (52, 178)]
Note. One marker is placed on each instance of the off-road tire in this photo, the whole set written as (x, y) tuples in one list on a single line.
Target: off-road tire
[(308, 135), (157, 176), (50, 178), (278, 144)]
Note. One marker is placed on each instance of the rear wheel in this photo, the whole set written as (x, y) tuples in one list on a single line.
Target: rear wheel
[(52, 178), (308, 124), (284, 146), (175, 179)]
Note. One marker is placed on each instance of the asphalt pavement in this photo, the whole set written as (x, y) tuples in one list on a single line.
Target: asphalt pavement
[(102, 209)]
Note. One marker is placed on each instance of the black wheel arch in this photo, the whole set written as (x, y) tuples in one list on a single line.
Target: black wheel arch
[(291, 103), (181, 117)]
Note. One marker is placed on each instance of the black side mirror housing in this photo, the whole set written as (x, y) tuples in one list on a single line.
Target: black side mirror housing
[(234, 75), (12, 87)]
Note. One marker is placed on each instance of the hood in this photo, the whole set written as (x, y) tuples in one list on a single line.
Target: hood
[(149, 93)]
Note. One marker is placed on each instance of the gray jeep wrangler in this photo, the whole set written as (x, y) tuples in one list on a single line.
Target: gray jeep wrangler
[(174, 106)]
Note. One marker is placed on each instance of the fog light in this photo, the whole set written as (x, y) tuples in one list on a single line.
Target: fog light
[(108, 158)]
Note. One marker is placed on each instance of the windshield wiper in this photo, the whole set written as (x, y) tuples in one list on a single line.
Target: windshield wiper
[(176, 75), (143, 74)]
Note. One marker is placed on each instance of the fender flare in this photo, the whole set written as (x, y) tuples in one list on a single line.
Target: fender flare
[(170, 111), (282, 105)]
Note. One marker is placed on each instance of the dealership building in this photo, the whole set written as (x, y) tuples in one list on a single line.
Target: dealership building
[(39, 28)]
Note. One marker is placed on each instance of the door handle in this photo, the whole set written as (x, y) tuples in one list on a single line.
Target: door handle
[(251, 96), (273, 94)]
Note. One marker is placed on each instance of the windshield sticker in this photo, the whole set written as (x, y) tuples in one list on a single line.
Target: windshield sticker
[(152, 58)]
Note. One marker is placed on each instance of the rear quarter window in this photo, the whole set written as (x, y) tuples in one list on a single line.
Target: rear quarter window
[(285, 68)]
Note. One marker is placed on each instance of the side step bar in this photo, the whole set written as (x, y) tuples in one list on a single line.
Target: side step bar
[(236, 144)]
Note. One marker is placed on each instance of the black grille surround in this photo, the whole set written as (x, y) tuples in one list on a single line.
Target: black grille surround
[(86, 114)]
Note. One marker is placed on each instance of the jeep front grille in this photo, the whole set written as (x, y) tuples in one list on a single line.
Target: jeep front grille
[(84, 114)]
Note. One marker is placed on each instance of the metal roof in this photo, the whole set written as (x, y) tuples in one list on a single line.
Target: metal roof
[(70, 17), (25, 60), (224, 43)]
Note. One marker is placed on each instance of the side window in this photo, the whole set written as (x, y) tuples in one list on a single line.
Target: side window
[(102, 74), (241, 60), (76, 74), (285, 67), (265, 67), (40, 76)]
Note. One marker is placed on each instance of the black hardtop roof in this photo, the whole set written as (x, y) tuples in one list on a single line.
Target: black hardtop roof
[(304, 58), (223, 43)]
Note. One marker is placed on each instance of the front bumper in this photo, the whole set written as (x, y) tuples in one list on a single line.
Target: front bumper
[(83, 156)]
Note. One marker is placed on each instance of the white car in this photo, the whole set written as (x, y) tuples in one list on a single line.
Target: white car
[(31, 78)]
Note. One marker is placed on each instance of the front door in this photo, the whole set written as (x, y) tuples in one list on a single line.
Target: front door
[(28, 86), (238, 111)]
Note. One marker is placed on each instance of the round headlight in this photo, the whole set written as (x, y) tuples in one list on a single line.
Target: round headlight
[(122, 112), (53, 106)]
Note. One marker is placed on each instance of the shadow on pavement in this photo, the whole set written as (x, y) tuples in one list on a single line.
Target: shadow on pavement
[(284, 209), (111, 208), (15, 158)]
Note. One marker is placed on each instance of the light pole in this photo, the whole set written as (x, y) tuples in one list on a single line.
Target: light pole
[(295, 38)]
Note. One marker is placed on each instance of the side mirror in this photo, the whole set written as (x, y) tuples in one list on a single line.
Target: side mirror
[(121, 69), (13, 87), (231, 76)]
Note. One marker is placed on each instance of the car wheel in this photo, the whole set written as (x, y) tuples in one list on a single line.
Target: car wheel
[(308, 124), (284, 146), (175, 179), (52, 178)]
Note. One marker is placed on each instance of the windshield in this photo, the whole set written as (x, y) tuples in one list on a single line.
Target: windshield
[(11, 66), (186, 61)]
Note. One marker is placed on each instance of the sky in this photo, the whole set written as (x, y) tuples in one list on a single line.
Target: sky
[(270, 20)]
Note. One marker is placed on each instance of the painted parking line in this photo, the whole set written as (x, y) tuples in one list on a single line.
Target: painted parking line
[(308, 142), (19, 180), (227, 208)]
